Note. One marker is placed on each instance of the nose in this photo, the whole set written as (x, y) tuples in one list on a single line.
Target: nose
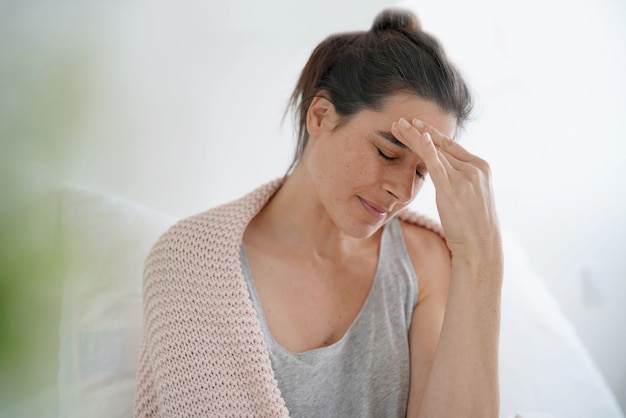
[(401, 185)]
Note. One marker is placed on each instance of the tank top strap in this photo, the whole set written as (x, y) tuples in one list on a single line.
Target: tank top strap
[(397, 279)]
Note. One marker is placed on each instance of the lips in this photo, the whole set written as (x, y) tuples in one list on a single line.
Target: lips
[(372, 209)]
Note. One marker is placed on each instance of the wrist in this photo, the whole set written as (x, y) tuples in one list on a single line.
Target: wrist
[(479, 263), (480, 253)]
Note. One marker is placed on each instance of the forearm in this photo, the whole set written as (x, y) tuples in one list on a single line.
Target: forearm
[(463, 380)]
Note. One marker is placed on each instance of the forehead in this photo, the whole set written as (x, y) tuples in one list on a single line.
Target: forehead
[(410, 106)]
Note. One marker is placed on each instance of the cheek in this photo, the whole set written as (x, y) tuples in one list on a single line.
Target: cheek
[(363, 167), (348, 160)]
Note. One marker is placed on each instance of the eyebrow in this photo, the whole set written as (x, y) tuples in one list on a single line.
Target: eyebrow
[(389, 137)]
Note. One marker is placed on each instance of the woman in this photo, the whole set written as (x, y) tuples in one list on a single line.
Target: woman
[(318, 295)]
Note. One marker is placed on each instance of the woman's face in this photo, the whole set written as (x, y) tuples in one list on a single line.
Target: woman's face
[(361, 174)]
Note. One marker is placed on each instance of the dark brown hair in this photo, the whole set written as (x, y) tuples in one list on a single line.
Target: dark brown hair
[(359, 70)]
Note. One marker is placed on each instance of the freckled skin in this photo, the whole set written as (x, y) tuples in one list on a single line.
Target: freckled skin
[(312, 248), (344, 164)]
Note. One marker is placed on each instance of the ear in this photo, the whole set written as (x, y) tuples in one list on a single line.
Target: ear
[(321, 115)]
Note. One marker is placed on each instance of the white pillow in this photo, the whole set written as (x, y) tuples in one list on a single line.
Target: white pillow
[(544, 366), (106, 240)]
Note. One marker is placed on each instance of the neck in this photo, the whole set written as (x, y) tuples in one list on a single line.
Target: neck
[(295, 219)]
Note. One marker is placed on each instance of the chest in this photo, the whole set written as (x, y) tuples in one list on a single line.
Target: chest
[(335, 379), (308, 303)]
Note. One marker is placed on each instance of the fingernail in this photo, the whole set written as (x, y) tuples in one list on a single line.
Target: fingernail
[(427, 139), (404, 123), (418, 123)]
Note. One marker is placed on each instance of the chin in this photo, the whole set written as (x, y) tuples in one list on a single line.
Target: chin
[(359, 229), (356, 223)]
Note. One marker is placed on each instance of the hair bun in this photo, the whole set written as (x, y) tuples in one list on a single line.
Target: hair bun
[(396, 19)]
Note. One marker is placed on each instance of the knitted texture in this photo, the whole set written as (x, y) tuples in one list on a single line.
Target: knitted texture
[(203, 352)]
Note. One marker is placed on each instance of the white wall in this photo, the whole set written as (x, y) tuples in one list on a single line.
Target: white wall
[(550, 78), (178, 105)]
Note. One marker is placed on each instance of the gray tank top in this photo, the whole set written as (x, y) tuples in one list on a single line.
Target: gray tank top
[(366, 373)]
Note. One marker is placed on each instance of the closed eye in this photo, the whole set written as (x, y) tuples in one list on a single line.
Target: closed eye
[(385, 156), (418, 173)]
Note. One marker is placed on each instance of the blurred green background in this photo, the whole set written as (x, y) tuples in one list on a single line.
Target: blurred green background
[(40, 104)]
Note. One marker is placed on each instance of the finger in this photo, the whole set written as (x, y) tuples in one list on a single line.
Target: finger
[(454, 163), (444, 142), (450, 163), (459, 158), (436, 164), (408, 136), (423, 146), (469, 168)]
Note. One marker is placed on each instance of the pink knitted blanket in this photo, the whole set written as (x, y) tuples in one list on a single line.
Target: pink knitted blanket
[(203, 352)]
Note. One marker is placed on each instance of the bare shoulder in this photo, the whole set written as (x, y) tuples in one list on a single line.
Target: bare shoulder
[(424, 244), (429, 255)]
